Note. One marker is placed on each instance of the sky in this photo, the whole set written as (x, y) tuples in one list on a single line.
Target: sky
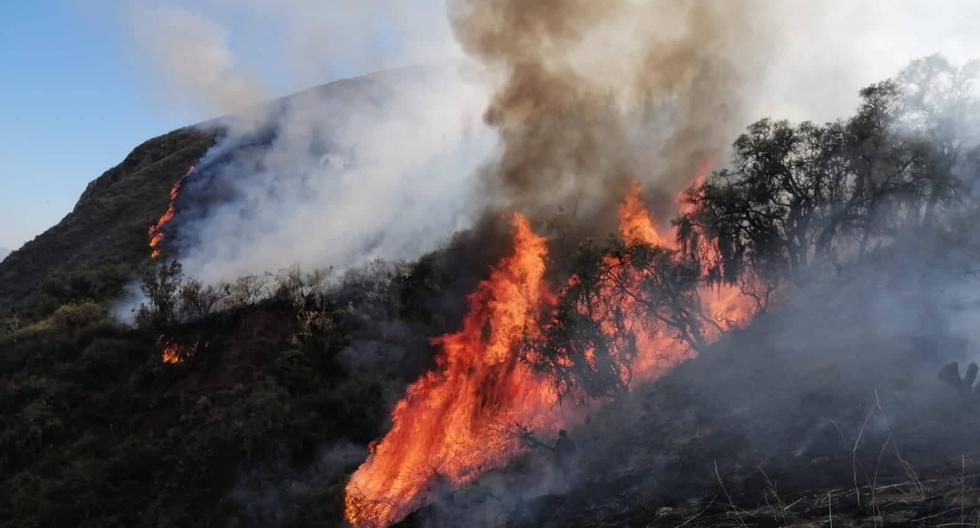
[(71, 106)]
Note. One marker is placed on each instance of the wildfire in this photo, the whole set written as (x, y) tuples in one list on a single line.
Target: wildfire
[(458, 421), (156, 230)]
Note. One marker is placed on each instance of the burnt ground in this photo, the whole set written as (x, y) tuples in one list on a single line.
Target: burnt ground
[(800, 420)]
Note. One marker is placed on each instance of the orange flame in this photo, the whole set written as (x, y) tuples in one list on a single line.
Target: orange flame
[(173, 353), (156, 230), (635, 223), (457, 422)]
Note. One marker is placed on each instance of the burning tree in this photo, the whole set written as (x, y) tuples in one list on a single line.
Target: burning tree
[(622, 300)]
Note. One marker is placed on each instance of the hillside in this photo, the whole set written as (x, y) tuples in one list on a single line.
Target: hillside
[(94, 250)]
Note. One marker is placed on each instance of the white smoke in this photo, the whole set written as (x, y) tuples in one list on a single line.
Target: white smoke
[(399, 176), (358, 172), (220, 56), (394, 179), (829, 49)]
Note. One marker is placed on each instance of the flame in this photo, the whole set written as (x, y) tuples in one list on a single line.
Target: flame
[(173, 353), (457, 422), (727, 305), (156, 230), (635, 223)]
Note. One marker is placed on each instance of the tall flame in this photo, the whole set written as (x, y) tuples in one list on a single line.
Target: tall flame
[(457, 422), (635, 223), (156, 230)]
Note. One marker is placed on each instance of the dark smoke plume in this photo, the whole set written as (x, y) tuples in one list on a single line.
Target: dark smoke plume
[(594, 95)]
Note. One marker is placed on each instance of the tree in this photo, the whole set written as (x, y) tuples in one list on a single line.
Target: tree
[(779, 205), (587, 344), (198, 301), (161, 284), (804, 199), (247, 290), (617, 296)]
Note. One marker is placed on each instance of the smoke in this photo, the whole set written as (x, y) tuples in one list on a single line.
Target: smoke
[(340, 38), (220, 56), (586, 97), (264, 492), (354, 171), (830, 49), (377, 167), (594, 95), (191, 51)]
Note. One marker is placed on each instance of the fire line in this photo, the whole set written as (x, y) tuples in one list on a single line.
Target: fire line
[(156, 231)]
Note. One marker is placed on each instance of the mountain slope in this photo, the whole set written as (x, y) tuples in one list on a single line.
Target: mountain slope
[(92, 251)]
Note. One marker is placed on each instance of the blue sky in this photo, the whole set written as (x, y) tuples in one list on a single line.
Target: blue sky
[(71, 106)]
